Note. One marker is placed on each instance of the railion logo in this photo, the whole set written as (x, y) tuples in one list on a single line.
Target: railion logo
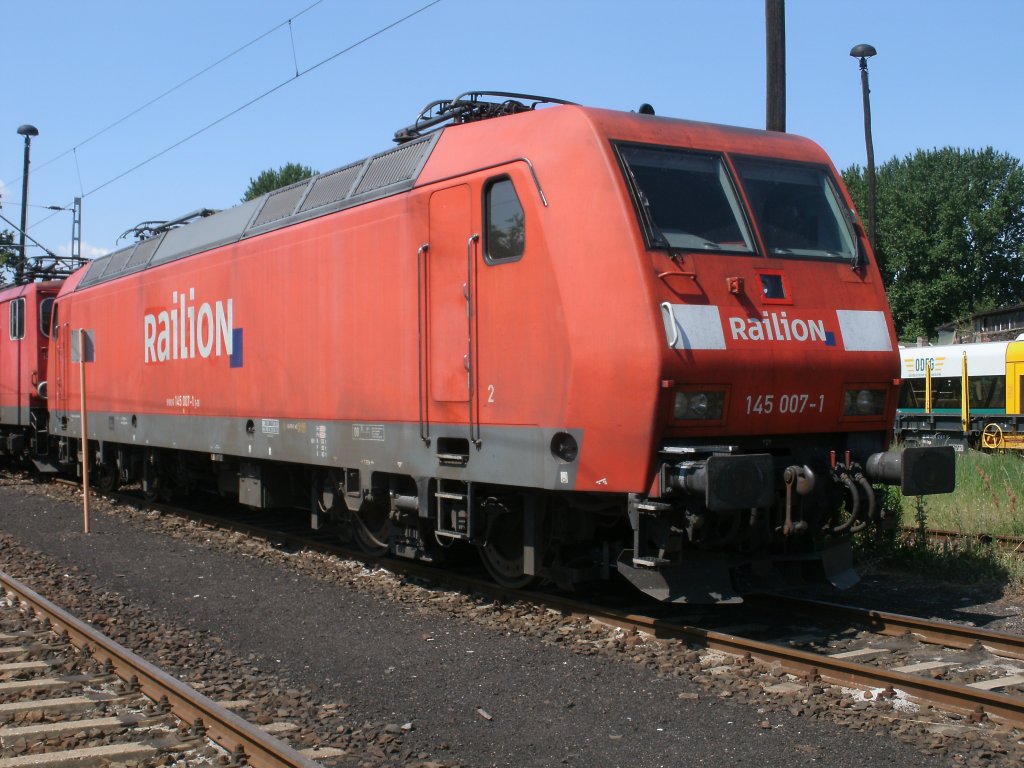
[(186, 331), (776, 326)]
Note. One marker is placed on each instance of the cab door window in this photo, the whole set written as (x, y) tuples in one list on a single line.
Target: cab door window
[(505, 222), (45, 315), (17, 320)]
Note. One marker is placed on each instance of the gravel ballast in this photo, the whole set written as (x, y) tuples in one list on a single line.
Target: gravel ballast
[(395, 673)]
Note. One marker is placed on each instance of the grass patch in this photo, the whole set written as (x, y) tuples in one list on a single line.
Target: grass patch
[(968, 562), (985, 501)]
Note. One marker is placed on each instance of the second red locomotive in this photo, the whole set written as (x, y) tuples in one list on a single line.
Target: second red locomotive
[(580, 340), (25, 312)]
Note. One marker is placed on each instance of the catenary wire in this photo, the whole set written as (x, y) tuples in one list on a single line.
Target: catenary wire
[(249, 103), (172, 89), (262, 96)]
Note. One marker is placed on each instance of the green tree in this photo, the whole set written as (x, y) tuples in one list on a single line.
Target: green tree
[(8, 255), (272, 179), (949, 233)]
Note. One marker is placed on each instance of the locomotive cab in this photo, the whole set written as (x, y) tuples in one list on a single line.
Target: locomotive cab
[(779, 372)]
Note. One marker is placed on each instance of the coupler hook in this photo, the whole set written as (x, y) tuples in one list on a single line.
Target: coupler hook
[(802, 478)]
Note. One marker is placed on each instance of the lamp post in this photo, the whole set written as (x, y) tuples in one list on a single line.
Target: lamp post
[(865, 52), (28, 131)]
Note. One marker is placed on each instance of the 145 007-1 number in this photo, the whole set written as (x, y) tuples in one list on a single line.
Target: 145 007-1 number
[(784, 404)]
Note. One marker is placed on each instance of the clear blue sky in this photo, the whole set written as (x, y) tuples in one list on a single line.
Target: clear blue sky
[(947, 74)]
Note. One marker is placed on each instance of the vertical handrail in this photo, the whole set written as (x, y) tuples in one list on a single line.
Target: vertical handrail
[(63, 330), (421, 311), (65, 367), (470, 364), (54, 385), (666, 309)]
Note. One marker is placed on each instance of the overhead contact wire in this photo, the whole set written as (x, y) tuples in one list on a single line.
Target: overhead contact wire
[(174, 88), (263, 95), (249, 103)]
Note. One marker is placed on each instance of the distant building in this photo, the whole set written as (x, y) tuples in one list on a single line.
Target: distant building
[(1000, 324)]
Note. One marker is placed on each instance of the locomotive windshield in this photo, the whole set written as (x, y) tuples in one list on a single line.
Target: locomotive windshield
[(797, 209), (685, 199)]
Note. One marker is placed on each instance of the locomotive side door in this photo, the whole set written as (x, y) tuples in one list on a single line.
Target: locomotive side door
[(1015, 392), (1014, 377), (448, 289)]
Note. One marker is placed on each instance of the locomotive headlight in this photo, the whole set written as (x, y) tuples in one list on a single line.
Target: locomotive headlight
[(699, 405), (863, 402)]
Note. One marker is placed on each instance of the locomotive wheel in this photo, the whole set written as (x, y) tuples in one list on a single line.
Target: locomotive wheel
[(155, 484), (502, 551), (108, 479), (157, 489), (370, 527), (154, 491)]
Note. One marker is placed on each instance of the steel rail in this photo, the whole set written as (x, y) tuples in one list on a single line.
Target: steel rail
[(944, 633), (1008, 544), (810, 666), (223, 726), (948, 696)]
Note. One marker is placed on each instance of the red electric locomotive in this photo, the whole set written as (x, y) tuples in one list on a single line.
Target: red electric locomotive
[(580, 340), (24, 346)]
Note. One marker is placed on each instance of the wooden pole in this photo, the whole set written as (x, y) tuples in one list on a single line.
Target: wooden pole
[(85, 428), (775, 64)]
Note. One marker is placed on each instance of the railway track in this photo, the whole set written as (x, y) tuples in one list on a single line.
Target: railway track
[(965, 670), (1006, 544), (954, 667), (71, 696), (786, 645)]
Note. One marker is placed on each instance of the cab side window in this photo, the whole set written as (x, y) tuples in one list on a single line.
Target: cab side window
[(17, 324), (45, 315), (506, 222)]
